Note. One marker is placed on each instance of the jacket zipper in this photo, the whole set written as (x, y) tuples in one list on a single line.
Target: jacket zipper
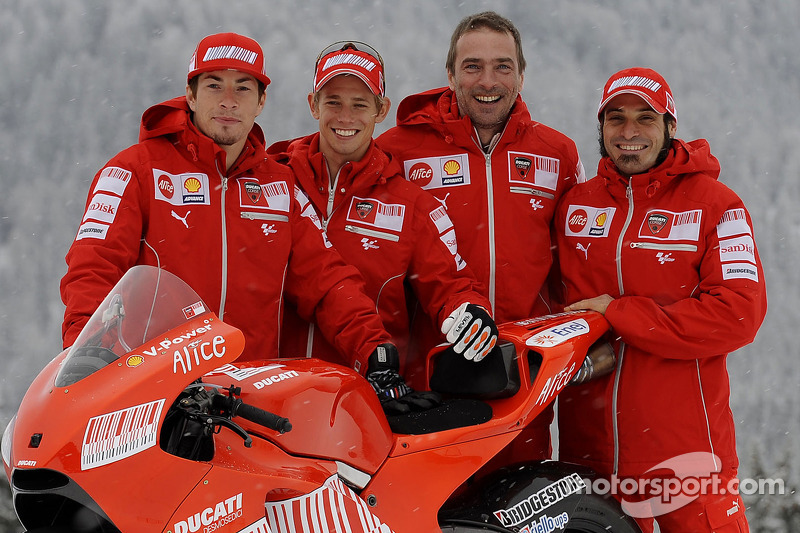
[(618, 372), (532, 192), (372, 233), (224, 272), (665, 247), (264, 216)]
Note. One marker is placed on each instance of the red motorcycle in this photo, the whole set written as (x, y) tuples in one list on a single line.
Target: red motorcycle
[(148, 423)]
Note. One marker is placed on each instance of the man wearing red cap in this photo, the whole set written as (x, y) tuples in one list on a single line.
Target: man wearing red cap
[(667, 253), (474, 146), (198, 197), (398, 235)]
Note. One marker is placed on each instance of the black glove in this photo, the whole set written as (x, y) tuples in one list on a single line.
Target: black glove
[(471, 330), (396, 397)]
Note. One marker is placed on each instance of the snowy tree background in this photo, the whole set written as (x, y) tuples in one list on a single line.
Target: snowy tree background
[(79, 74)]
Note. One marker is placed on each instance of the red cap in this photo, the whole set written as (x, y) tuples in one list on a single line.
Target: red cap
[(643, 82), (228, 51), (350, 60)]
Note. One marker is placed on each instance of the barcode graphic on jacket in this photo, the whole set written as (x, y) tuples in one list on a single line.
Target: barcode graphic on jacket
[(115, 436), (688, 217)]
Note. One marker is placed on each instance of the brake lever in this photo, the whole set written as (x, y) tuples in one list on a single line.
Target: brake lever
[(217, 420)]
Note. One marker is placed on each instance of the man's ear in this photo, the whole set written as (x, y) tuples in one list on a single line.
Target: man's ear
[(384, 110), (190, 99), (451, 81), (672, 128), (313, 107)]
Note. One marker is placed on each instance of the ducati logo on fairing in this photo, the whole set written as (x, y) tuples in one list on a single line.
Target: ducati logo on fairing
[(212, 518)]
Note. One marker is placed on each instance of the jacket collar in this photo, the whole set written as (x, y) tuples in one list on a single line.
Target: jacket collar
[(438, 108), (684, 159), (172, 120)]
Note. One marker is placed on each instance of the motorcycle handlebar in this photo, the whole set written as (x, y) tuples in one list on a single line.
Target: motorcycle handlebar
[(265, 418)]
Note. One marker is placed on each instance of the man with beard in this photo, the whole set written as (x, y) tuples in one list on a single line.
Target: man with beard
[(498, 173), (667, 253), (198, 197)]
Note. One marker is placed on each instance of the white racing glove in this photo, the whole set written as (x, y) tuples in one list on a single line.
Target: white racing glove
[(471, 331)]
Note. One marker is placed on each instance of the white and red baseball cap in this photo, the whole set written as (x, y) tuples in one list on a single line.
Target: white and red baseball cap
[(350, 57), (643, 82), (228, 51)]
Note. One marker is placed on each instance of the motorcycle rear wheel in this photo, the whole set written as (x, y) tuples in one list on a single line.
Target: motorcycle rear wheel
[(600, 515)]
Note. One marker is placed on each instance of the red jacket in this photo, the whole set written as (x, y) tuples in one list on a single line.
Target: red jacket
[(396, 234), (676, 251), (501, 203), (239, 238)]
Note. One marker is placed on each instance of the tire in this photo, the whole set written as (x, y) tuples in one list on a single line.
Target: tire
[(595, 514)]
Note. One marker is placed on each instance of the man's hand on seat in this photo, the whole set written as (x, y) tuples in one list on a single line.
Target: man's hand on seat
[(395, 395), (471, 330)]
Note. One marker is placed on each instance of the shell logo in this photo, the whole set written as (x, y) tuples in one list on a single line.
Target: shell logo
[(600, 221), (451, 167), (134, 361), (192, 184)]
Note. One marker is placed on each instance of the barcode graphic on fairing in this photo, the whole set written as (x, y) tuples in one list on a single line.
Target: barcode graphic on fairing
[(120, 434)]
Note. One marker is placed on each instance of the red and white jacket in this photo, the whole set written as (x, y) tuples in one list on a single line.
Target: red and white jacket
[(396, 234), (239, 238), (501, 202), (676, 249)]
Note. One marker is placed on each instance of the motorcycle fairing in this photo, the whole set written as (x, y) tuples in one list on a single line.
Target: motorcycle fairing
[(334, 412), (331, 507)]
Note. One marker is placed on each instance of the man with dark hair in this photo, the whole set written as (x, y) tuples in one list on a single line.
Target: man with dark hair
[(499, 173), (667, 253), (198, 197)]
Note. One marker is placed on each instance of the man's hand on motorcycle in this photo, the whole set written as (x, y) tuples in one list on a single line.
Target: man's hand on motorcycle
[(598, 303), (471, 331), (395, 395)]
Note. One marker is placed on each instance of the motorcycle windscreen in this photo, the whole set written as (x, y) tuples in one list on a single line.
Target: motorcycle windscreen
[(144, 304)]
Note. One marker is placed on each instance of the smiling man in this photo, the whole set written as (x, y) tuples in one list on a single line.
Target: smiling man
[(674, 267), (397, 235), (499, 173), (197, 196)]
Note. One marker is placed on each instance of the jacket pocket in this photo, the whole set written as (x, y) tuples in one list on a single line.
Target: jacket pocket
[(666, 247), (532, 192), (372, 233), (251, 215)]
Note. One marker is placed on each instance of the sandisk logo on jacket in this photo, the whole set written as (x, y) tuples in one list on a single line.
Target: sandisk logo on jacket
[(587, 221)]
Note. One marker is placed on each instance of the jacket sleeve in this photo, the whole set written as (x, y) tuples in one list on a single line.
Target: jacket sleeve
[(725, 310), (106, 245), (329, 291), (440, 277)]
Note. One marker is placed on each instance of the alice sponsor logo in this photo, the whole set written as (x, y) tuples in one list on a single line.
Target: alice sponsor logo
[(555, 384), (577, 221)]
